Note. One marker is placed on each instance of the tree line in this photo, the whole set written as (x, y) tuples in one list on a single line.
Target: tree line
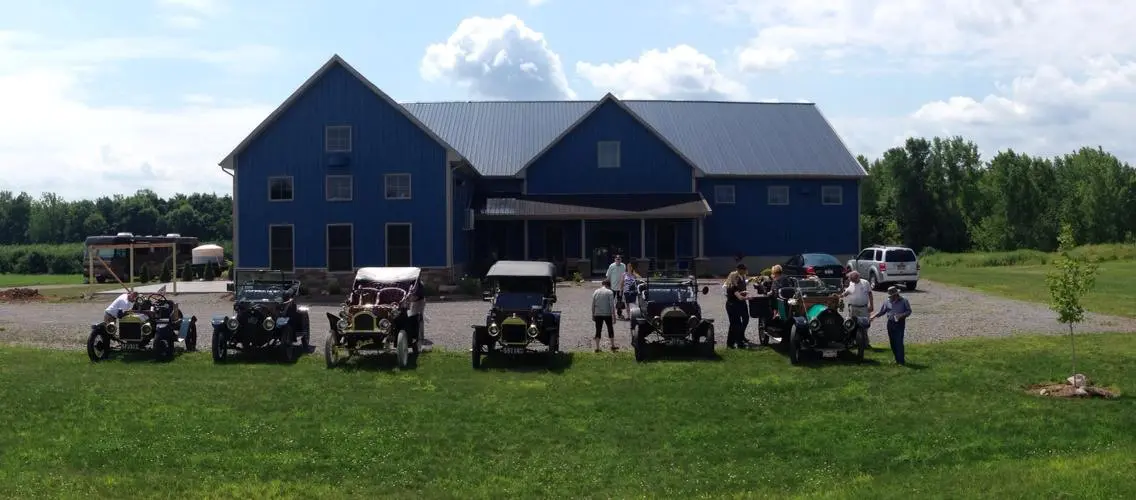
[(930, 193)]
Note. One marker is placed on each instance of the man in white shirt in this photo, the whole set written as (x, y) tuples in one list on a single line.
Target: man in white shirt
[(858, 296), (603, 308), (124, 302), (615, 275)]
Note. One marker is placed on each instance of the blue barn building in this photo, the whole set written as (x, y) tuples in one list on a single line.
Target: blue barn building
[(341, 176)]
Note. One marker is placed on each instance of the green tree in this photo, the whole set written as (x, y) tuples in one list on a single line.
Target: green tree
[(1069, 281)]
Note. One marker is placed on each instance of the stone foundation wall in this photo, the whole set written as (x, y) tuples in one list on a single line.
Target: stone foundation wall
[(316, 281)]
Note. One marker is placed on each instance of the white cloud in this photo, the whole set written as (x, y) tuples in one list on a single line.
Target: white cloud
[(537, 3), (498, 58), (758, 58), (188, 14), (681, 72), (53, 138)]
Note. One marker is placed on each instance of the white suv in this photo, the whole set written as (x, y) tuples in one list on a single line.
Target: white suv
[(883, 265)]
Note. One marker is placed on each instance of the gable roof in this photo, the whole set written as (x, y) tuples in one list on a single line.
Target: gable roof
[(230, 160), (500, 138)]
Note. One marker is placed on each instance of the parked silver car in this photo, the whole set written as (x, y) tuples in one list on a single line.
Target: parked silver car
[(884, 265)]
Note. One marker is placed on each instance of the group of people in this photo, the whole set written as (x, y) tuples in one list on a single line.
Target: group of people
[(857, 296), (608, 304)]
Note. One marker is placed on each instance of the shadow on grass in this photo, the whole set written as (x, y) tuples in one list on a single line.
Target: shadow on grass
[(528, 362), (377, 362), (146, 355), (656, 352), (815, 360), (264, 356)]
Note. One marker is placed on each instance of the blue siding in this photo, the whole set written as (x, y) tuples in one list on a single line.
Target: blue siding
[(500, 185), (752, 227), (383, 141), (647, 164), (463, 191)]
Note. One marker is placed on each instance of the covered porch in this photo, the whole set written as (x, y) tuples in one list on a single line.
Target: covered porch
[(582, 233)]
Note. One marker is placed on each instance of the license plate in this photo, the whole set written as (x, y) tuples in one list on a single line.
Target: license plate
[(828, 271), (513, 350), (829, 353), (902, 267)]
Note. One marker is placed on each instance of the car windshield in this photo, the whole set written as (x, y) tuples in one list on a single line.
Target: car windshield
[(261, 291), (518, 301), (669, 293), (821, 259), (899, 256)]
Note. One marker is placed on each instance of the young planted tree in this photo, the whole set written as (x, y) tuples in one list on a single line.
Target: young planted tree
[(1069, 281)]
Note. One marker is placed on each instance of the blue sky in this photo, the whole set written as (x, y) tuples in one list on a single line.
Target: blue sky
[(148, 90)]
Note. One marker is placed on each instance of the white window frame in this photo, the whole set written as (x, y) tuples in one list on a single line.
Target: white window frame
[(409, 186), (291, 183), (769, 195), (327, 247), (720, 198), (292, 231), (386, 241), (600, 154), (327, 187), (334, 145), (839, 190)]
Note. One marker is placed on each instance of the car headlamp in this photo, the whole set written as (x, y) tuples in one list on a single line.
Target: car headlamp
[(533, 331), (814, 324), (342, 324), (850, 323), (111, 328), (494, 330), (232, 323), (268, 323), (384, 324), (146, 328)]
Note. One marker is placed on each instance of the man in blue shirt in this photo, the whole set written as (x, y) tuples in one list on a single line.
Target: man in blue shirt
[(897, 309)]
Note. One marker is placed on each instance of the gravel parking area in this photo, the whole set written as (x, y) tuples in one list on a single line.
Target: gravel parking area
[(940, 312)]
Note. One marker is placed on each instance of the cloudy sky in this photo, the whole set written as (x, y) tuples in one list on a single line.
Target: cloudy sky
[(119, 95)]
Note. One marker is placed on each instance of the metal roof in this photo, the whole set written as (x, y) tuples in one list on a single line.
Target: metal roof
[(521, 269), (597, 206), (720, 138)]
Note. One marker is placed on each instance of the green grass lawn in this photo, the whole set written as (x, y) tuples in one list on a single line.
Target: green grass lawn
[(957, 425), (14, 280), (1114, 292)]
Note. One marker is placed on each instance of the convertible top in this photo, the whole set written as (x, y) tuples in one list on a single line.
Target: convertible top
[(387, 274), (522, 269)]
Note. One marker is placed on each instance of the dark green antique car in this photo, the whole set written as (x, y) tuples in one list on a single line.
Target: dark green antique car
[(667, 312), (154, 322), (520, 315), (806, 316), (265, 315)]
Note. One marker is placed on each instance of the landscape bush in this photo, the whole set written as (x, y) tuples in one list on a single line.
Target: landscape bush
[(66, 258), (1090, 253)]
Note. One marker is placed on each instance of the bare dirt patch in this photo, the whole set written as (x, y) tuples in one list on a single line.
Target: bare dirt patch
[(21, 295), (1077, 386)]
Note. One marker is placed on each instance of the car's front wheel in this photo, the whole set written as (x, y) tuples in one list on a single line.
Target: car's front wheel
[(706, 348), (476, 351), (330, 351), (795, 346), (288, 344), (641, 344), (98, 346), (191, 338), (402, 348), (912, 284), (220, 346)]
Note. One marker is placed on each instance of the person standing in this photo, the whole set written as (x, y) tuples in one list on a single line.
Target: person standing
[(416, 311), (615, 275), (630, 287), (858, 297), (737, 310), (897, 309), (603, 309)]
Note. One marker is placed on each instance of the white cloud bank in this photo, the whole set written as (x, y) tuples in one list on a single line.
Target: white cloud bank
[(680, 72)]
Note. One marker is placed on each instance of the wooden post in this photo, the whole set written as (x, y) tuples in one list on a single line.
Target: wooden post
[(174, 266), (90, 270), (130, 274)]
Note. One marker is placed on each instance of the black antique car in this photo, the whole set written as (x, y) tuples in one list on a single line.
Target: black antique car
[(376, 316), (806, 315), (265, 315), (521, 294), (153, 322), (667, 311)]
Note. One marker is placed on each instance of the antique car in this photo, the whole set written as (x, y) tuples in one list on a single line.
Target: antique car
[(521, 294), (806, 316), (376, 316), (265, 316), (666, 311), (154, 322)]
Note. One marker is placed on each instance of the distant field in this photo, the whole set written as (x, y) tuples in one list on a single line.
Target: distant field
[(956, 423), (1021, 275), (14, 280)]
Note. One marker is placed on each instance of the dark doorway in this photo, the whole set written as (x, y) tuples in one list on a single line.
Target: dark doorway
[(554, 245), (605, 245), (666, 241)]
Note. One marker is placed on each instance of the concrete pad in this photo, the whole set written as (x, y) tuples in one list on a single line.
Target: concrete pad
[(217, 286)]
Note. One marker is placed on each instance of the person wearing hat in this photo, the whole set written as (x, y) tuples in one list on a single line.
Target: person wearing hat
[(897, 309), (858, 297)]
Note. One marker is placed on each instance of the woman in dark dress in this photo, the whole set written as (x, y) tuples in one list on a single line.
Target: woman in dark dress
[(736, 308)]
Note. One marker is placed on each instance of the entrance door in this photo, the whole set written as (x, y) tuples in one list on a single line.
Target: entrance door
[(666, 241), (606, 244), (554, 245)]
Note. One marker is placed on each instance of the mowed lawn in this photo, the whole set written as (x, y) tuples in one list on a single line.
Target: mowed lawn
[(15, 280), (1114, 292), (956, 424)]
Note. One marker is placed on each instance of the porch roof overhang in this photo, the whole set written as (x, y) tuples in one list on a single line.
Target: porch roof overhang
[(595, 206)]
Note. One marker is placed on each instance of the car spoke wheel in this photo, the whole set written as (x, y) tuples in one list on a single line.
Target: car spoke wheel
[(794, 346), (191, 338), (416, 342), (554, 343), (402, 348), (288, 344), (98, 346), (331, 352), (911, 285), (476, 352), (161, 347), (707, 345), (220, 347), (641, 345)]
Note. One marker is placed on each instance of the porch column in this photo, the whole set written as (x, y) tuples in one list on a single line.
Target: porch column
[(526, 239), (643, 239), (701, 236), (583, 235)]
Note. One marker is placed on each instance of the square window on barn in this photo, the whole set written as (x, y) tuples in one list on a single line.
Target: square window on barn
[(608, 154), (338, 187), (778, 195), (397, 186), (340, 248), (337, 138), (832, 195), (281, 244), (724, 195), (280, 188)]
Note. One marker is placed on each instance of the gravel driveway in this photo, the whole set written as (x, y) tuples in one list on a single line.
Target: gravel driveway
[(940, 312)]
